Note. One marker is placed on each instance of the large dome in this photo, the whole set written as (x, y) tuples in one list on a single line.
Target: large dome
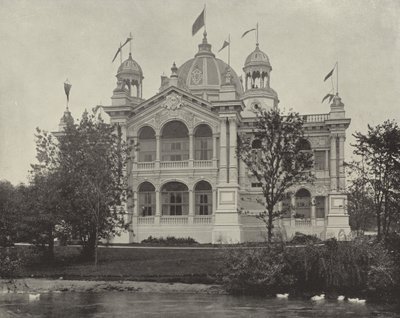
[(257, 58), (204, 74), (130, 66)]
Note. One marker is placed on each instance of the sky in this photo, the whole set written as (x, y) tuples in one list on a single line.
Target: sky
[(44, 42)]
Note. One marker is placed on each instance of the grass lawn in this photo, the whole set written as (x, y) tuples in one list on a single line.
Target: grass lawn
[(145, 264)]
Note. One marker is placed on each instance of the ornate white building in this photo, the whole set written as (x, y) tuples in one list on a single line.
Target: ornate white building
[(185, 176)]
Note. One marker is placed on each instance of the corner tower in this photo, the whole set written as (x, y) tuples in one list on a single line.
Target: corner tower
[(257, 90), (129, 84)]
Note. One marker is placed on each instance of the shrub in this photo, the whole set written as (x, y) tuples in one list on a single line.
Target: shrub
[(170, 240), (355, 266), (10, 263), (256, 270), (300, 238)]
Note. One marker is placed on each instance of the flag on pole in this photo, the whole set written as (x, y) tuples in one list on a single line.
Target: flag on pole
[(67, 88), (329, 74), (248, 31), (198, 24), (116, 54), (121, 46), (330, 96), (127, 40), (226, 43)]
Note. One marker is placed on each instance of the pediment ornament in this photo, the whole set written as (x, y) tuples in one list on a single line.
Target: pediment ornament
[(172, 101)]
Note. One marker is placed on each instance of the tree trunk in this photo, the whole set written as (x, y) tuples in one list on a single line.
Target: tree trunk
[(378, 224), (95, 245), (50, 248), (270, 224)]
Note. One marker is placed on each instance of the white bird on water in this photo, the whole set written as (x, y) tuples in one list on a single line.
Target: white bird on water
[(318, 297), (356, 300), (282, 296), (34, 297), (340, 298)]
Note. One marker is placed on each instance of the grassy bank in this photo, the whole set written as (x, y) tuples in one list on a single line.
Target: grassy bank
[(142, 264)]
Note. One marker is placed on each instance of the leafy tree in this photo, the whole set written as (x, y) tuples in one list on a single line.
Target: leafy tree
[(359, 199), (274, 154), (93, 161), (42, 206), (379, 149), (8, 213)]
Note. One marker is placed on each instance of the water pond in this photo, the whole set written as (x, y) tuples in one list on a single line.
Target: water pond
[(128, 304)]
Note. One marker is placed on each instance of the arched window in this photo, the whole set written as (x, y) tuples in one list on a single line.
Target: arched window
[(175, 142), (147, 144), (203, 198), (303, 203), (147, 199), (304, 144), (175, 199), (203, 147)]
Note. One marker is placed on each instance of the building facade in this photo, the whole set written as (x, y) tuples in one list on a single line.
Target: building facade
[(185, 176)]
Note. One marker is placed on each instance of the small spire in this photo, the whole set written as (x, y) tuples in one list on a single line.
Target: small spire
[(205, 37), (174, 70)]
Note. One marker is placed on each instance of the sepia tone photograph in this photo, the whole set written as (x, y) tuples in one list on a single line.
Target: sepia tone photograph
[(219, 158)]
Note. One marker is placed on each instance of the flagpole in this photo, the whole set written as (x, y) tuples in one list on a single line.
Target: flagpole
[(257, 34), (130, 42), (205, 28), (337, 77), (229, 50), (120, 52)]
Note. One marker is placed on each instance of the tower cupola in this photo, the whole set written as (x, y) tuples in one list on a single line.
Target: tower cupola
[(257, 90)]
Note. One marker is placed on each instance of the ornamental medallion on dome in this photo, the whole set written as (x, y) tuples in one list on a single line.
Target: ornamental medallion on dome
[(197, 76), (172, 102)]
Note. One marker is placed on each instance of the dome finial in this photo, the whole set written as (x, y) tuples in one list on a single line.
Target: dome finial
[(174, 70), (205, 37)]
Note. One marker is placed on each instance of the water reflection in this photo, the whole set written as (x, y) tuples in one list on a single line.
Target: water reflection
[(125, 304)]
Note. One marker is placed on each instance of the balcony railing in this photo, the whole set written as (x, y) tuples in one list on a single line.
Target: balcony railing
[(305, 223), (174, 164), (202, 163), (145, 165), (202, 219), (146, 220), (174, 219), (316, 118)]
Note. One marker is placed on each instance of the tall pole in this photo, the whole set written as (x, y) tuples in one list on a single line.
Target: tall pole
[(257, 34), (229, 50), (130, 42), (337, 78), (205, 28), (120, 53)]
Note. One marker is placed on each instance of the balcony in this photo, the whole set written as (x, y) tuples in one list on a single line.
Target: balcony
[(178, 165), (175, 220)]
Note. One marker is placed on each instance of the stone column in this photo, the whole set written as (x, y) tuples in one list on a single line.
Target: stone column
[(158, 207), (243, 179), (313, 208), (214, 154), (333, 172), (191, 154), (135, 153), (342, 177), (326, 208), (158, 151), (292, 212), (222, 157), (135, 200), (214, 200), (233, 175), (191, 206)]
